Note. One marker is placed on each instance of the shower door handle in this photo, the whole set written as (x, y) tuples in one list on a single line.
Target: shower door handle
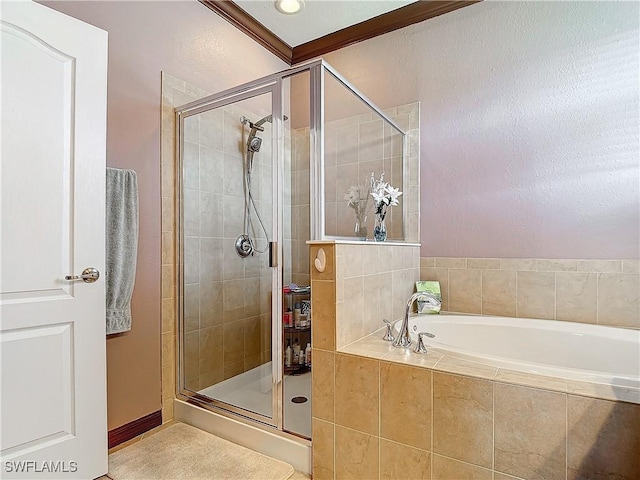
[(273, 254)]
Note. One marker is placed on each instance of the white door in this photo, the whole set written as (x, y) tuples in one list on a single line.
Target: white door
[(52, 214)]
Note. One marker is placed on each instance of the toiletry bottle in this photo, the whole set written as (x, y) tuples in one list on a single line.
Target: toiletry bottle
[(290, 317), (287, 356), (296, 352), (307, 355), (302, 358), (285, 318), (296, 315)]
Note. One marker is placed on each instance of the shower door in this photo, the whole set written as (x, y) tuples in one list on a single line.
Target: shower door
[(229, 197)]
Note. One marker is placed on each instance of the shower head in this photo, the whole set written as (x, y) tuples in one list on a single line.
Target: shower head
[(254, 142)]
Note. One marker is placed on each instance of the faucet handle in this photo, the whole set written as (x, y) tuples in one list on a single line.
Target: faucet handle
[(388, 336), (420, 347)]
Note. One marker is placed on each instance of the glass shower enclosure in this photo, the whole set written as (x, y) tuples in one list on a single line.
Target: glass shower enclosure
[(260, 172)]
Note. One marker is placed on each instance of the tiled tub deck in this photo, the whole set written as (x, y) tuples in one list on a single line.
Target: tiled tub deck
[(383, 413)]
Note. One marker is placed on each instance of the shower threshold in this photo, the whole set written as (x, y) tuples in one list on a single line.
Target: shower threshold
[(252, 391)]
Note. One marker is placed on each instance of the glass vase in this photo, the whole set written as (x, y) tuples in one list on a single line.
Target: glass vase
[(380, 229), (361, 231)]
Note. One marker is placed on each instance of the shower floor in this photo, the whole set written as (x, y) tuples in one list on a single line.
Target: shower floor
[(251, 390)]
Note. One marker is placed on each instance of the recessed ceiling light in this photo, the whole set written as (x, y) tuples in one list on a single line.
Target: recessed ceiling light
[(290, 7)]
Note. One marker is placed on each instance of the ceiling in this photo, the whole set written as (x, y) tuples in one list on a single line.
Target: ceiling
[(325, 25), (319, 17)]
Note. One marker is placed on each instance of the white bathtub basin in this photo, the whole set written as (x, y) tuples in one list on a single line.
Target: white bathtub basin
[(564, 349)]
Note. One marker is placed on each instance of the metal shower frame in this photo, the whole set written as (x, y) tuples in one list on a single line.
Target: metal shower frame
[(270, 84)]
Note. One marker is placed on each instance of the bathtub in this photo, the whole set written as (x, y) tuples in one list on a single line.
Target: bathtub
[(561, 349)]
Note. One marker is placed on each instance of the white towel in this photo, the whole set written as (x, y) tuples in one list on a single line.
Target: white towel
[(121, 247)]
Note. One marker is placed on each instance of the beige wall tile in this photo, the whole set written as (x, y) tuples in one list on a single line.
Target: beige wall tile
[(323, 456), (403, 420), (631, 266), (350, 315), (499, 292), (212, 377), (536, 295), (600, 266), (323, 314), (576, 297), (619, 299), (168, 315), (484, 263), (440, 275), (446, 262), (167, 411), (557, 265), (168, 281), (211, 299), (231, 369), (252, 337), (427, 262), (210, 357), (357, 455), (371, 259), (352, 263), (168, 383), (168, 349), (530, 437), (401, 462), (463, 418), (168, 250), (518, 264), (603, 439), (449, 469), (323, 385), (465, 290), (191, 352), (233, 338), (356, 393), (371, 307)]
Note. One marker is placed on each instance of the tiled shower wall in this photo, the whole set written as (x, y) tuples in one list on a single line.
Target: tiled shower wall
[(227, 298), (300, 215), (357, 146), (603, 292)]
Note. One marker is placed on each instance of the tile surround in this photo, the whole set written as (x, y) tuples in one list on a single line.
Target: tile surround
[(475, 420), (603, 292)]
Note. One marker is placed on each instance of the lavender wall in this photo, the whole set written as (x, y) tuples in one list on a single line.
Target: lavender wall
[(189, 41), (529, 125)]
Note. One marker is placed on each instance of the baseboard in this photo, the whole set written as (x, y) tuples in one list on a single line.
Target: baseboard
[(133, 429)]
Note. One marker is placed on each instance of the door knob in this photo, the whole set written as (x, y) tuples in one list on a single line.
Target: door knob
[(89, 275)]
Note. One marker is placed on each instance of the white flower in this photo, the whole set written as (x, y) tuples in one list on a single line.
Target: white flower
[(394, 193), (379, 197)]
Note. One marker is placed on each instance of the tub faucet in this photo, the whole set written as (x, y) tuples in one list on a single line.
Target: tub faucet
[(403, 339)]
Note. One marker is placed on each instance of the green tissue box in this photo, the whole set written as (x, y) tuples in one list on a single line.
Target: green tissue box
[(433, 288)]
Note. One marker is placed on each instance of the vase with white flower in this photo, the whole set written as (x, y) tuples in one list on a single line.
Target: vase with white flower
[(384, 196)]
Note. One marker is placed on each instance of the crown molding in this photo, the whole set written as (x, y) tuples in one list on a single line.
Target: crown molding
[(385, 23)]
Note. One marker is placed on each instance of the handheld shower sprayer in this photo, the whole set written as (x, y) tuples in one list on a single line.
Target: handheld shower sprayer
[(245, 244)]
